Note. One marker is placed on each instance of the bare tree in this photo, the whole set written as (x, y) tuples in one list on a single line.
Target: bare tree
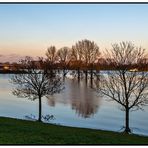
[(88, 52), (63, 55), (51, 54), (127, 87), (36, 81), (76, 60)]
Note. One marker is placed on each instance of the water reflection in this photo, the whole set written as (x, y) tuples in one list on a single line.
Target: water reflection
[(51, 101), (81, 98), (102, 114)]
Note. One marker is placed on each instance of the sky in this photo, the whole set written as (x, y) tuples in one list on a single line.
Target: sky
[(29, 29)]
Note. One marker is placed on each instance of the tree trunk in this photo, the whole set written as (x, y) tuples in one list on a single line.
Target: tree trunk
[(127, 129), (78, 71), (91, 78), (86, 76), (40, 110), (64, 75), (91, 74)]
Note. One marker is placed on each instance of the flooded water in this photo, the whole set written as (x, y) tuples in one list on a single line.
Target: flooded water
[(78, 106)]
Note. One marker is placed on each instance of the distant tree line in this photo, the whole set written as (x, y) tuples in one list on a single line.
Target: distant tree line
[(83, 60), (125, 80), (84, 55)]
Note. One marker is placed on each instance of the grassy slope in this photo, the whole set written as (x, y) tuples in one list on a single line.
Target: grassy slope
[(13, 131)]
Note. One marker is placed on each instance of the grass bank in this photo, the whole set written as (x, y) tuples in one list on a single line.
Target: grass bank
[(15, 131)]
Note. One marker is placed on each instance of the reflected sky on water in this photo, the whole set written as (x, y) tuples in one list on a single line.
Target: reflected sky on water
[(77, 105)]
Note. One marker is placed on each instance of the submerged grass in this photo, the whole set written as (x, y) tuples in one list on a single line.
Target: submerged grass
[(16, 131)]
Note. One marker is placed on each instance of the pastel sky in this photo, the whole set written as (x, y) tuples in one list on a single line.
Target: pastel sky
[(28, 29)]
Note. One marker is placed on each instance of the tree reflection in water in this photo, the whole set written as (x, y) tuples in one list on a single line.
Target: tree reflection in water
[(51, 101), (81, 97)]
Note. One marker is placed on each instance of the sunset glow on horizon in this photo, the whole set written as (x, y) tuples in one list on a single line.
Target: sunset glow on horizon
[(29, 29)]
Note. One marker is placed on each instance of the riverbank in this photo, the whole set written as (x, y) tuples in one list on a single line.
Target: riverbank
[(16, 131)]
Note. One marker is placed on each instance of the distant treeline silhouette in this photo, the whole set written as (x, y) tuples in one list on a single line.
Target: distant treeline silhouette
[(84, 55)]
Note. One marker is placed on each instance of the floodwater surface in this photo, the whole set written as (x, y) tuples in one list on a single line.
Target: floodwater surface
[(77, 105)]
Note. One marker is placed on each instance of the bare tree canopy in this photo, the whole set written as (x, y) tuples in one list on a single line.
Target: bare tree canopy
[(86, 50), (63, 54), (125, 54), (128, 88), (63, 57), (51, 54), (37, 81)]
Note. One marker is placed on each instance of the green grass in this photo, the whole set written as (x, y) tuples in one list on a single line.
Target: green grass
[(15, 131)]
